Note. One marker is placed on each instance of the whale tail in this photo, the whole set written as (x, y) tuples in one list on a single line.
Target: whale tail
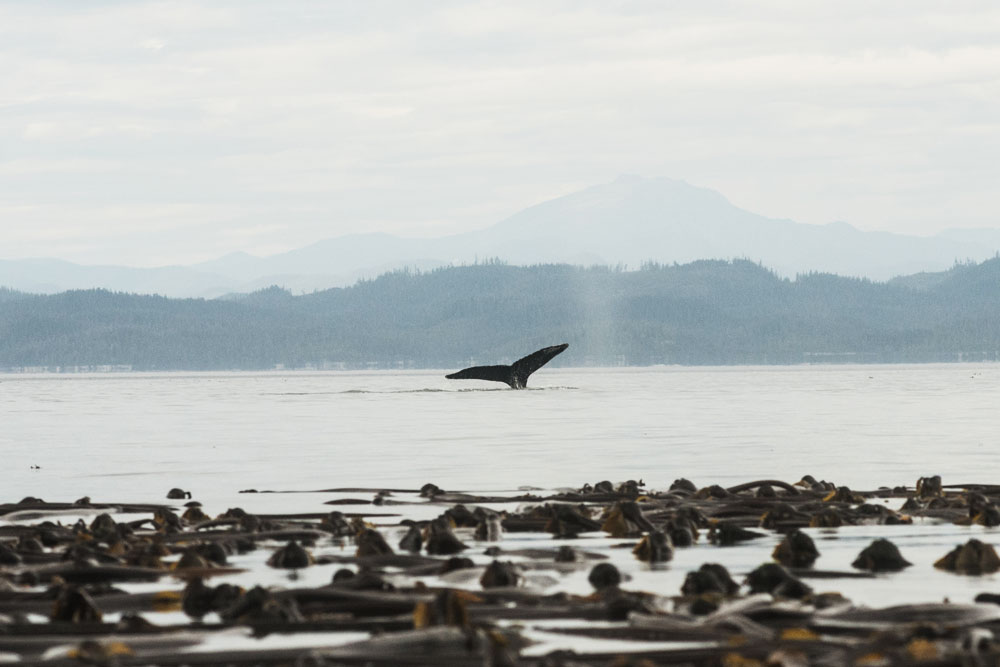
[(516, 375)]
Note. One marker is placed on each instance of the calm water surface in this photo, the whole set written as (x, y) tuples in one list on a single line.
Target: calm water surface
[(131, 434), (131, 437)]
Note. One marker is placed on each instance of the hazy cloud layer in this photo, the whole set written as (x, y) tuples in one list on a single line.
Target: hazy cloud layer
[(154, 132)]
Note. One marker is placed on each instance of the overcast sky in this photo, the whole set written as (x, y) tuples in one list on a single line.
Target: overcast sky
[(147, 133)]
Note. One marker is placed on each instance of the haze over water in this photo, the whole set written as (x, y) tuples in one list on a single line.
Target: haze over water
[(134, 436)]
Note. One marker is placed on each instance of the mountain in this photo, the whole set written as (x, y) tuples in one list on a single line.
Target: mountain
[(50, 276), (630, 221), (634, 220), (705, 312)]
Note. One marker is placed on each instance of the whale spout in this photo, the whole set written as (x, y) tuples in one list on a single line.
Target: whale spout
[(516, 375)]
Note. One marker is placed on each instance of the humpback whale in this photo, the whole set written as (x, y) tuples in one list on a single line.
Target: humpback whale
[(516, 375)]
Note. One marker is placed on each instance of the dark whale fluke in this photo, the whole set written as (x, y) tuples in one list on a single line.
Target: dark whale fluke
[(516, 375)]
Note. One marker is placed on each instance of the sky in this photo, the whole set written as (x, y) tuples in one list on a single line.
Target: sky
[(151, 133)]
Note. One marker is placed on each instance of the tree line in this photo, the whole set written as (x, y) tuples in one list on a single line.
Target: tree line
[(705, 312)]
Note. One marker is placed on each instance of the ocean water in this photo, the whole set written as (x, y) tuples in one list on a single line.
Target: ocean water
[(132, 437)]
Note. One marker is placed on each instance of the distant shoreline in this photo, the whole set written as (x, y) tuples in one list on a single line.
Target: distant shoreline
[(703, 313), (33, 371)]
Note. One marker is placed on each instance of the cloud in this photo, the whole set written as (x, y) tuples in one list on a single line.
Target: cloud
[(331, 118), (35, 166)]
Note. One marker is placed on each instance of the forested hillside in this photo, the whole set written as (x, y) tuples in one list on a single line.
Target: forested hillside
[(708, 312)]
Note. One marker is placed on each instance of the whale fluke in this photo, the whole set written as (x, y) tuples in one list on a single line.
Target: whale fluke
[(516, 375)]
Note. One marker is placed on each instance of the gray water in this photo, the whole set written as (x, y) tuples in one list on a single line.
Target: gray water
[(131, 437)]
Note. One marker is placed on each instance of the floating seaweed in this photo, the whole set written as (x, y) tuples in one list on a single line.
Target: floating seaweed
[(473, 585)]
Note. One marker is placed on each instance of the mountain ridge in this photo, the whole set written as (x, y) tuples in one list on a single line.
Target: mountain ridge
[(704, 312), (630, 221)]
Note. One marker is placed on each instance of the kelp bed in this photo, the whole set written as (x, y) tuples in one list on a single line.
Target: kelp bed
[(428, 576)]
